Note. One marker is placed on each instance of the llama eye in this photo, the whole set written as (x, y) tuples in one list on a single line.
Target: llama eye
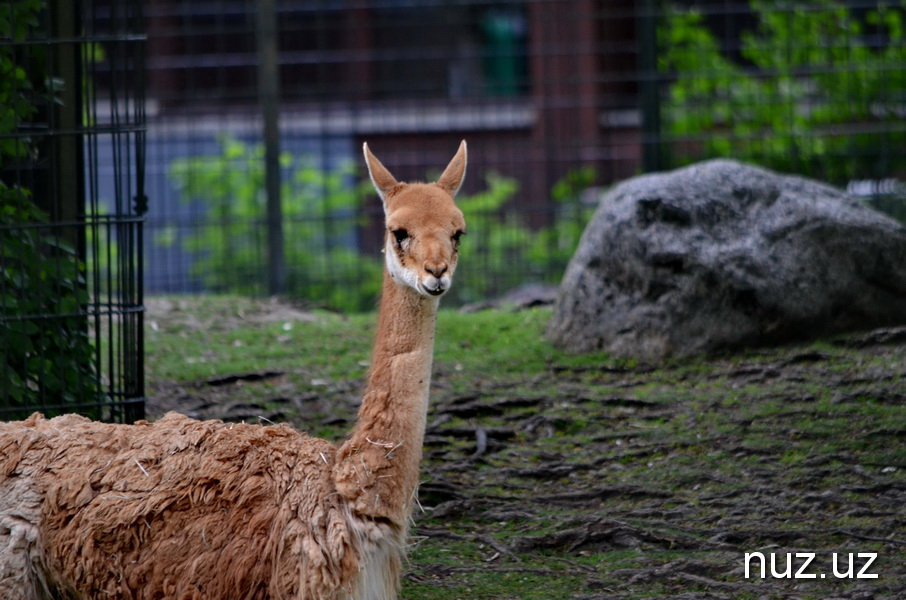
[(400, 234), (457, 236)]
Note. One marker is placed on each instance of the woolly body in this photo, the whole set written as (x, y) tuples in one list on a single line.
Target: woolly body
[(175, 509)]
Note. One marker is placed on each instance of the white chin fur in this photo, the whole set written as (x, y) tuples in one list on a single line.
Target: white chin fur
[(396, 269)]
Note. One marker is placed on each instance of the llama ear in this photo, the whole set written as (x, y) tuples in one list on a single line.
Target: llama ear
[(455, 173), (381, 178)]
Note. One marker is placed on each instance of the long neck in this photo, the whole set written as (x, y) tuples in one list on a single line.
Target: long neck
[(404, 342), (377, 468)]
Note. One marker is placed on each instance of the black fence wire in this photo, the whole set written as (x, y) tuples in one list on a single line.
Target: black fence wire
[(557, 100), (71, 205)]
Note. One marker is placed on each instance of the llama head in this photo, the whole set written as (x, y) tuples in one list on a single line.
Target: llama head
[(421, 243)]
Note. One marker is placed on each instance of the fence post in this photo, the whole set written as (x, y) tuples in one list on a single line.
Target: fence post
[(649, 86), (269, 99)]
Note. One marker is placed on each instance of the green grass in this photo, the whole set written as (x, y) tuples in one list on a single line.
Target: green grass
[(330, 345), (339, 346), (501, 342)]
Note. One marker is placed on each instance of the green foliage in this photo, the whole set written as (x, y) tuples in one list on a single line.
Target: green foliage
[(321, 212), (813, 96), (502, 251), (17, 20), (43, 331), (320, 218), (553, 247), (25, 79), (493, 251), (45, 351)]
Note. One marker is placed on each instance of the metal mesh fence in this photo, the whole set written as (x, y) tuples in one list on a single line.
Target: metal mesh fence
[(71, 200), (556, 98)]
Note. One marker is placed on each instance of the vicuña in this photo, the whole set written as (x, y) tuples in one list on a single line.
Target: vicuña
[(183, 509)]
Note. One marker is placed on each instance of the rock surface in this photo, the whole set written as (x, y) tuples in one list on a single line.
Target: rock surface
[(721, 255)]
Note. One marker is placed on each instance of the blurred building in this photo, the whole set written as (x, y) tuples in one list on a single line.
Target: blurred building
[(537, 87)]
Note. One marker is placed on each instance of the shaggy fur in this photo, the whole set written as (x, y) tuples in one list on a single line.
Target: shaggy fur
[(174, 509), (189, 510)]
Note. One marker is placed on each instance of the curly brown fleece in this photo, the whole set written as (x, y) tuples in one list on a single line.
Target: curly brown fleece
[(174, 509)]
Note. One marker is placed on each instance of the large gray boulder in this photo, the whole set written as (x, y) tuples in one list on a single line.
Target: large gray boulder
[(721, 255)]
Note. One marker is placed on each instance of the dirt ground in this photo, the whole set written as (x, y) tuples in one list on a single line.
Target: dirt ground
[(644, 481)]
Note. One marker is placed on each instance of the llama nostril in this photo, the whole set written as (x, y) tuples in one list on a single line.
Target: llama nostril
[(437, 269)]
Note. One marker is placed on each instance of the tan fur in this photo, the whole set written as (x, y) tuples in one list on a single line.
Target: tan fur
[(209, 510)]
